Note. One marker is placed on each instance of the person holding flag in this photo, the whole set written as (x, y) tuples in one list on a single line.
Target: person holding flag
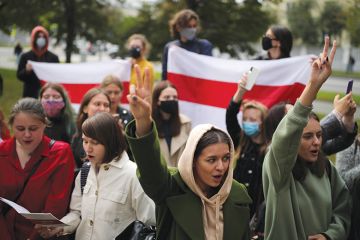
[(39, 53)]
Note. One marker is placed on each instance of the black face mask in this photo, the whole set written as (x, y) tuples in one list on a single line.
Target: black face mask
[(171, 106), (266, 43), (135, 52)]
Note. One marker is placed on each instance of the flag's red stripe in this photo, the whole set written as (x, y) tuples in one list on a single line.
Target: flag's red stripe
[(218, 94), (77, 91)]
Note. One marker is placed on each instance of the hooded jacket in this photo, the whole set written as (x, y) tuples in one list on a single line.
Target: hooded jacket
[(31, 82), (183, 212)]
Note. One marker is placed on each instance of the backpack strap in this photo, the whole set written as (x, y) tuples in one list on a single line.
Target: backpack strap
[(84, 172)]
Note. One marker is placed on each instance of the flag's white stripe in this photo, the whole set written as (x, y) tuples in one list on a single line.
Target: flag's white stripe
[(272, 73), (80, 73), (200, 114)]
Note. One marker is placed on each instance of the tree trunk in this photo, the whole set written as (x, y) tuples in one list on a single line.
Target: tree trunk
[(70, 10)]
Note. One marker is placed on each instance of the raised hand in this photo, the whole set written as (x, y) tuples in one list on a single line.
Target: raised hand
[(321, 67), (321, 70), (241, 88), (342, 105), (140, 101)]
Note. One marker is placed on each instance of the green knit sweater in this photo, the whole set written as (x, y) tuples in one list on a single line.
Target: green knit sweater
[(296, 210)]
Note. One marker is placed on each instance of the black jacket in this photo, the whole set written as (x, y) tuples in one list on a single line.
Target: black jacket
[(31, 82)]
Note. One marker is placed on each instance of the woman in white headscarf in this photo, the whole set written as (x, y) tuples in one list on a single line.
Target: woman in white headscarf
[(200, 200)]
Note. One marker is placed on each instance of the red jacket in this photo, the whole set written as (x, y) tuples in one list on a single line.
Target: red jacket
[(48, 189)]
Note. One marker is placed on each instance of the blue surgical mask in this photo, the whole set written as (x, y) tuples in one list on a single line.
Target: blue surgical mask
[(188, 33), (251, 128)]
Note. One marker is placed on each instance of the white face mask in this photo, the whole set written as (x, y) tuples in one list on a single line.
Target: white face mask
[(188, 33), (40, 42)]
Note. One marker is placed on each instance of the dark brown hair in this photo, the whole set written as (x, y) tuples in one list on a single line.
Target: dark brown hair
[(284, 36), (274, 116), (181, 20), (318, 167), (105, 129), (82, 116), (175, 123), (212, 136)]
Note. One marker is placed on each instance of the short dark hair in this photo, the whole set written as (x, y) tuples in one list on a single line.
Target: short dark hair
[(212, 136), (30, 106), (283, 35), (106, 130), (175, 123), (85, 102)]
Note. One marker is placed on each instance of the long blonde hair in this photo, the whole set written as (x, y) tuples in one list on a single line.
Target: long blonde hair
[(244, 140)]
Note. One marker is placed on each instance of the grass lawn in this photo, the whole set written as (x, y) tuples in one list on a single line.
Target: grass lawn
[(12, 90)]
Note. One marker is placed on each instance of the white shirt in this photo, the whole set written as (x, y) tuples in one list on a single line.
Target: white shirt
[(111, 200)]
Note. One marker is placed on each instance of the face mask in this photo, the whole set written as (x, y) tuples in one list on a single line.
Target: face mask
[(40, 42), (251, 128), (135, 52), (188, 33), (52, 108), (266, 43), (171, 107)]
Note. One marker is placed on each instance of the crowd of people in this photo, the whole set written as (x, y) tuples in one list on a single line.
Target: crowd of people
[(266, 177)]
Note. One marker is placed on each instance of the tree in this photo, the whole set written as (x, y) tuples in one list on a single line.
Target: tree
[(332, 19), (302, 24), (66, 19), (230, 26), (353, 22)]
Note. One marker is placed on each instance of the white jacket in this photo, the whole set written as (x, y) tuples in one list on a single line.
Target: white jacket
[(111, 201)]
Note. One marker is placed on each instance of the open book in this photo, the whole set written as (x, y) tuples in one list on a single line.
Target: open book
[(37, 218)]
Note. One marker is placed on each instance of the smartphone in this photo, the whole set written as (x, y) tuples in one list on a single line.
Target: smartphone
[(252, 75), (349, 86)]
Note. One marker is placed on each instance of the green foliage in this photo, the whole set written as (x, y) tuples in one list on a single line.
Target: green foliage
[(66, 19), (302, 24), (353, 22), (12, 90), (332, 19), (230, 26)]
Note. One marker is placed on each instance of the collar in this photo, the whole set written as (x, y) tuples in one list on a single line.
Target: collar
[(118, 162)]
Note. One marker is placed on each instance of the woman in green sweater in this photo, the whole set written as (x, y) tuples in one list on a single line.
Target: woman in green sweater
[(306, 198)]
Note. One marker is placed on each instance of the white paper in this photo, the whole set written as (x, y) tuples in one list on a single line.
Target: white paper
[(37, 218), (15, 206)]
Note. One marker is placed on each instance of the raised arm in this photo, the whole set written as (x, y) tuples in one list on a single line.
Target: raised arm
[(281, 158), (338, 127), (232, 124), (142, 137)]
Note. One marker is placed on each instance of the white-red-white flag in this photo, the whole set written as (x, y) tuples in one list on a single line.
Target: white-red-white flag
[(78, 78), (206, 84)]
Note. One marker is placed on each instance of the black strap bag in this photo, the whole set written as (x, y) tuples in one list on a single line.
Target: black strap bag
[(138, 230)]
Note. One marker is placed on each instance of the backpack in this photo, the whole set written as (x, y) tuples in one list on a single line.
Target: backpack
[(84, 172)]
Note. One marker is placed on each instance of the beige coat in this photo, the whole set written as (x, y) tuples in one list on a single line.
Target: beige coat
[(177, 143)]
